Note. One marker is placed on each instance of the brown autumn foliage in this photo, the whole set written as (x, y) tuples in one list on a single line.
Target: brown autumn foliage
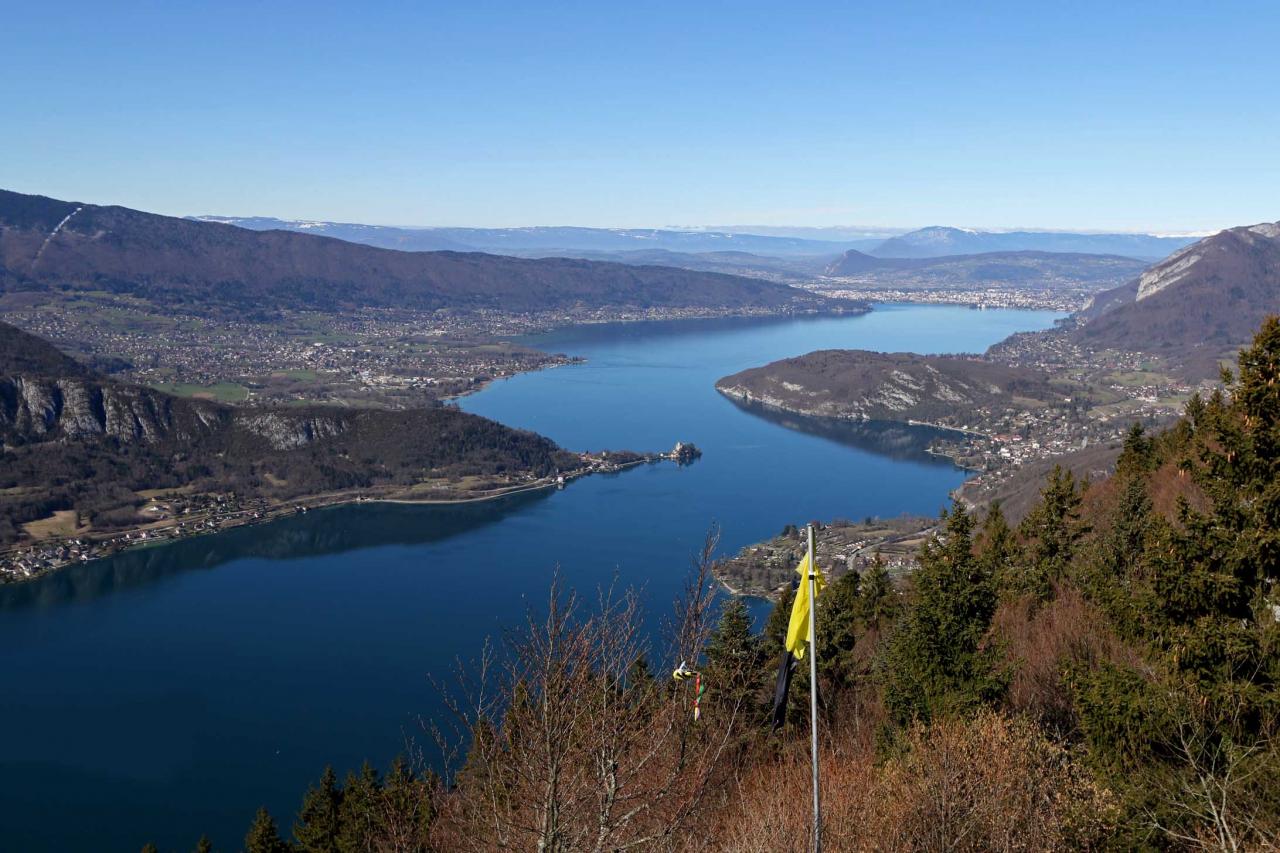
[(988, 783), (573, 749), (1043, 641), (1169, 484)]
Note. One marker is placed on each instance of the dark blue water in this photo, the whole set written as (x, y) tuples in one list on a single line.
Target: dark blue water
[(169, 692)]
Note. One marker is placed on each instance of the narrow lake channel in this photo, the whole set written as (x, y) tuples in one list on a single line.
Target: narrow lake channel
[(171, 691)]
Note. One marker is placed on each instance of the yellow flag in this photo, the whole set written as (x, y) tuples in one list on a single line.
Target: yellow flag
[(798, 627)]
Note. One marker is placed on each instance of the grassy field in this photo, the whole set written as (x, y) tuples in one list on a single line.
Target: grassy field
[(61, 524), (225, 392), (1131, 379)]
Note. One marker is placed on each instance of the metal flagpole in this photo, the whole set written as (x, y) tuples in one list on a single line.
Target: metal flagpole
[(813, 686)]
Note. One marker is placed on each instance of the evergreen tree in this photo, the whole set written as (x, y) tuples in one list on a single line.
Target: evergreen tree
[(1052, 529), (838, 631), (263, 835), (1199, 592), (150, 848), (317, 825), (878, 603), (734, 660), (999, 553), (1138, 453), (935, 662), (1209, 601), (204, 845), (731, 646), (359, 812), (775, 629), (640, 677), (407, 809), (1123, 545)]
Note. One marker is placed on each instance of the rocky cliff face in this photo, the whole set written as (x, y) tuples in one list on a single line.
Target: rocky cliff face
[(35, 409), (46, 396), (40, 408), (288, 430)]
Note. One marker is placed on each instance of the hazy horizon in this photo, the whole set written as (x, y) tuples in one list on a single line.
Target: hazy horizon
[(849, 231)]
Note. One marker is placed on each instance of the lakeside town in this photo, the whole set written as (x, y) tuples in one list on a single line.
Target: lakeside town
[(379, 357), (1046, 298), (766, 568)]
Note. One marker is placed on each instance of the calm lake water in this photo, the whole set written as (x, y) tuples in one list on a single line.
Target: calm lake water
[(171, 691)]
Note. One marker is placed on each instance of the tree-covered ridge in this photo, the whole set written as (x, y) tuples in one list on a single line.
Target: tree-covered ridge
[(213, 269), (859, 384), (21, 353), (74, 440), (1104, 675)]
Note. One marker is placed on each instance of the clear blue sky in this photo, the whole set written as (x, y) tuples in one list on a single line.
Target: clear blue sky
[(1108, 115)]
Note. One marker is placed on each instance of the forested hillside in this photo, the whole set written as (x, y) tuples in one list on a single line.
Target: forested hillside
[(77, 441), (899, 386), (211, 268), (1103, 676)]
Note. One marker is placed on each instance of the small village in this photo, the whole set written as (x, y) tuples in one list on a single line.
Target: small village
[(1048, 297), (379, 357), (764, 569)]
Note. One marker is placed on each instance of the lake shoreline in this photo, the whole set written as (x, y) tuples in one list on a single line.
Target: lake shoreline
[(151, 535)]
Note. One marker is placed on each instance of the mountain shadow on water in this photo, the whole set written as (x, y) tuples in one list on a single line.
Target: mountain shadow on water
[(899, 441), (332, 530)]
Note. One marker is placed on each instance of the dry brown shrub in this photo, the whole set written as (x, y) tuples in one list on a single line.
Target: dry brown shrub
[(986, 784), (1042, 641), (1168, 484), (569, 751), (1099, 500)]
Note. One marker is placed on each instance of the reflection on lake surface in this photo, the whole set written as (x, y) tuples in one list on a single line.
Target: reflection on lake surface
[(317, 533), (171, 691), (894, 440)]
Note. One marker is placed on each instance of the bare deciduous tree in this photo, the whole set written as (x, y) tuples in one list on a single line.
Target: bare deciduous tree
[(573, 746)]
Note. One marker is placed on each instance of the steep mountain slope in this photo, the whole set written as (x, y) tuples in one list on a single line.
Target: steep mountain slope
[(862, 385), (1201, 303), (72, 439), (54, 245), (937, 241), (1023, 267)]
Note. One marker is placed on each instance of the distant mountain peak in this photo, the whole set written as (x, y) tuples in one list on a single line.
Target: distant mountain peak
[(544, 238), (938, 240)]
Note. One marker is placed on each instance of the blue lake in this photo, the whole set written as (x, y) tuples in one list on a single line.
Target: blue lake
[(171, 691)]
